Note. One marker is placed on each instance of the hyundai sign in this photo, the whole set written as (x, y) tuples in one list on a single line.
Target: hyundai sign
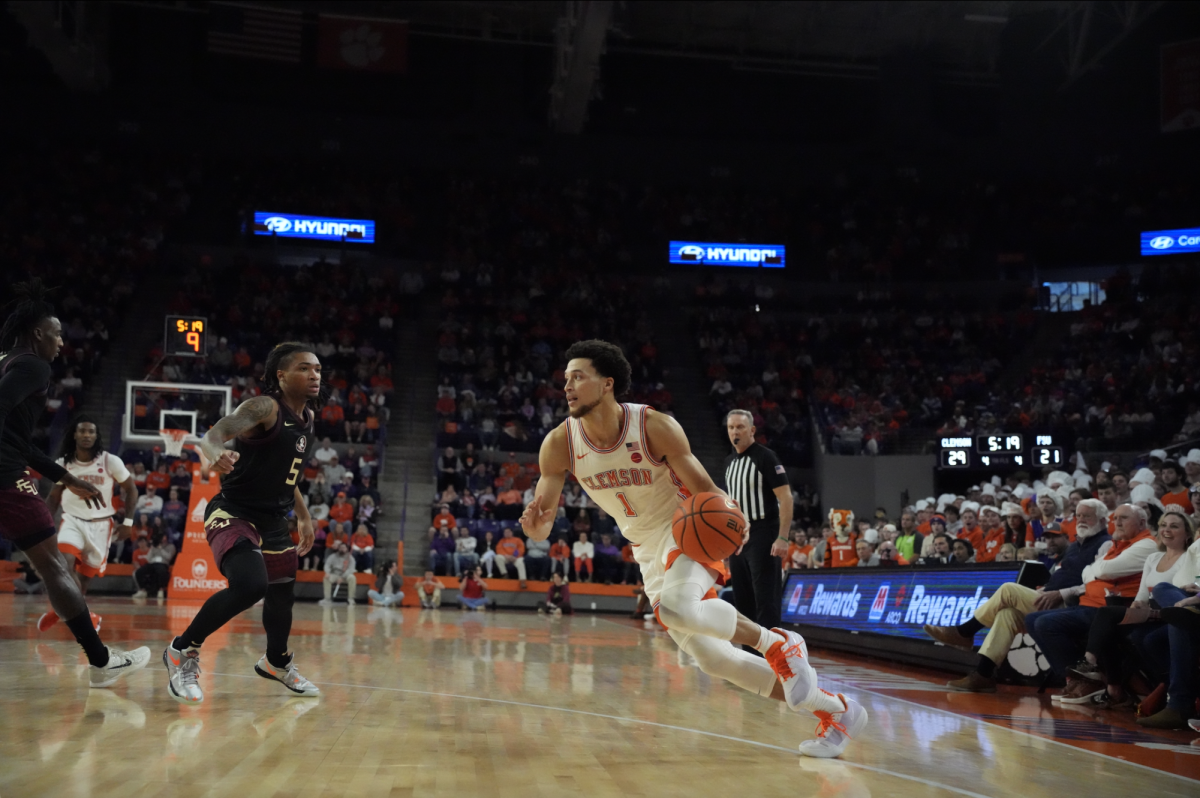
[(700, 253), (321, 228), (1170, 242), (890, 601)]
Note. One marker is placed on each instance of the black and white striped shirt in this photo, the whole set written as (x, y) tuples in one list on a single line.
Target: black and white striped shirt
[(750, 480)]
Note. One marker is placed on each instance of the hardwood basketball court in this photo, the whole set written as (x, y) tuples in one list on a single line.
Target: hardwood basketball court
[(420, 702)]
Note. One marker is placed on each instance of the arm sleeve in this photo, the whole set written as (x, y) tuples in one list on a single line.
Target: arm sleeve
[(773, 473), (1130, 561), (25, 377)]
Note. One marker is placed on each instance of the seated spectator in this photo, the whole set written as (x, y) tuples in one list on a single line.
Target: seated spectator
[(368, 463), (509, 502), (338, 533), (909, 541), (155, 575), (366, 514), (441, 551), (560, 556), (389, 586), (472, 591), (583, 553), (341, 511), (963, 551), (537, 559), (558, 597), (449, 470), (941, 554), (510, 549), (335, 473), (1061, 633), (141, 553), (971, 531), (429, 591), (319, 490), (326, 453), (1106, 662), (608, 560), (159, 479), (316, 554), (1007, 553), (339, 570), (889, 555), (465, 558), (865, 550), (362, 546), (1030, 554), (631, 573), (444, 518), (1176, 652), (995, 533), (174, 511), (1004, 614), (138, 472), (150, 504)]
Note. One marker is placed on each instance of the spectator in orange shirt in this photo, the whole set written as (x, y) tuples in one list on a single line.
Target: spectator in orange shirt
[(971, 530), (995, 534), (342, 511), (510, 549), (443, 517), (362, 546), (509, 503), (560, 557), (888, 555), (382, 380), (333, 420), (510, 468), (337, 534), (1176, 489), (159, 479), (429, 591), (141, 555)]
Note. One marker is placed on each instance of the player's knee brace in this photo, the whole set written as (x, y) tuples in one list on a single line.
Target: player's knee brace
[(722, 660), (682, 606)]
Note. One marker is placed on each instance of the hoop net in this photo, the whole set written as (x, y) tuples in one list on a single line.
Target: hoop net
[(173, 441)]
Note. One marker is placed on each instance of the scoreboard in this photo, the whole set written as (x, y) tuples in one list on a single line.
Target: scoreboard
[(1011, 449)]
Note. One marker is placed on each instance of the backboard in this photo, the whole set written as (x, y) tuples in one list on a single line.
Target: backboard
[(151, 406)]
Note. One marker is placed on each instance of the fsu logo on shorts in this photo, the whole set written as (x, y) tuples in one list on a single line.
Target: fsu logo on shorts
[(301, 443), (636, 457), (199, 569)]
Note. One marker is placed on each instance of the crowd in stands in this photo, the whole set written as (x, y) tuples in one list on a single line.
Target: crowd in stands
[(89, 223), (347, 312)]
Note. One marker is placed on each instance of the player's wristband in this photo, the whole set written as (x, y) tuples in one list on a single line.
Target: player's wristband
[(127, 522), (783, 539)]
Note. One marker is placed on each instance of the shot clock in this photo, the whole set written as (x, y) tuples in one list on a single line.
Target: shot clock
[(186, 336)]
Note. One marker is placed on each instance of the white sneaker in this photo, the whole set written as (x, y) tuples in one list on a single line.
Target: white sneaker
[(120, 663), (789, 660), (324, 603), (350, 602), (140, 594), (288, 676), (183, 673), (835, 730), (162, 594)]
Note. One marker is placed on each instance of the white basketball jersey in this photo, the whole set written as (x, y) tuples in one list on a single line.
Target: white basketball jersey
[(639, 492), (103, 472)]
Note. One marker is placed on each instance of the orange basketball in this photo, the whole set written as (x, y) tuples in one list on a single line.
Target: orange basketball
[(708, 527)]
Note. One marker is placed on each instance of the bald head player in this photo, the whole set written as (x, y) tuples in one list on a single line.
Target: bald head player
[(637, 465)]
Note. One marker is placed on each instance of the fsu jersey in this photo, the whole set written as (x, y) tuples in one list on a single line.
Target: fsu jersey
[(262, 486), (103, 472), (639, 492)]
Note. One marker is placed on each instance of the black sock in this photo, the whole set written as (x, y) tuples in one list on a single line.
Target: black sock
[(986, 667), (969, 628), (243, 566), (277, 621), (89, 639)]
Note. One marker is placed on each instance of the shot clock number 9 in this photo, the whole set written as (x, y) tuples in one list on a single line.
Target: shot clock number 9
[(186, 336)]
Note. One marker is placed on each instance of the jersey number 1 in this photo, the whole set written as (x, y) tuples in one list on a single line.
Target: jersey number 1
[(294, 471), (629, 513)]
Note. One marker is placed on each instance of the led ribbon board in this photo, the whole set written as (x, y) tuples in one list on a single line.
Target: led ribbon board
[(703, 253), (896, 602), (319, 228), (1171, 242)]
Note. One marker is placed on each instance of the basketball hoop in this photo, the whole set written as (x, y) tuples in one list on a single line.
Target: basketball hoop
[(173, 441)]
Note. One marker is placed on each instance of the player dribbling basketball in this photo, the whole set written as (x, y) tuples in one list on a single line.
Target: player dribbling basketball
[(637, 465)]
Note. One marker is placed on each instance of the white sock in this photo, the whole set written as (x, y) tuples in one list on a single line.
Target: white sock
[(767, 638), (823, 701)]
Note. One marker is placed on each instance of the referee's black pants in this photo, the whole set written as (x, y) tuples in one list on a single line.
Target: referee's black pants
[(755, 576)]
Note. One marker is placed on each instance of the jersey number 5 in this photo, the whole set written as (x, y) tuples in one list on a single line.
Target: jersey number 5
[(294, 471), (629, 513)]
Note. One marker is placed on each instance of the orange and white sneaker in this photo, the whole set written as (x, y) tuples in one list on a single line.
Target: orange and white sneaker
[(288, 676), (836, 729), (789, 659)]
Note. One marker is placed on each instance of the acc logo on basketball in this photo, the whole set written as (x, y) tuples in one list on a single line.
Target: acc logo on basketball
[(199, 569), (277, 224), (302, 443), (1162, 242)]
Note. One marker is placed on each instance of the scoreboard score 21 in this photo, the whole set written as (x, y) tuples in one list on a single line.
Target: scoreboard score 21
[(185, 336)]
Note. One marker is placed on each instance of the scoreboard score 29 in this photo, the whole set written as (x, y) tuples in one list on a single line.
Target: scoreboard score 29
[(186, 336), (1005, 449)]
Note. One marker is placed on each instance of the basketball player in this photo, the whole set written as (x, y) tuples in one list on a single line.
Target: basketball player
[(85, 533), (637, 465), (32, 338), (246, 523)]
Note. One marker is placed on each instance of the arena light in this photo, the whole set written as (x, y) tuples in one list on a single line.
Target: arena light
[(1171, 242), (319, 228), (704, 253)]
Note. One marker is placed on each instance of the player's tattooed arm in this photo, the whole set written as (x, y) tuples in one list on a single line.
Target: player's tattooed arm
[(667, 441), (554, 461), (260, 412)]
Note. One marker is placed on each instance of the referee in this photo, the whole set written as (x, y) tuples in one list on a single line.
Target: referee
[(757, 481)]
